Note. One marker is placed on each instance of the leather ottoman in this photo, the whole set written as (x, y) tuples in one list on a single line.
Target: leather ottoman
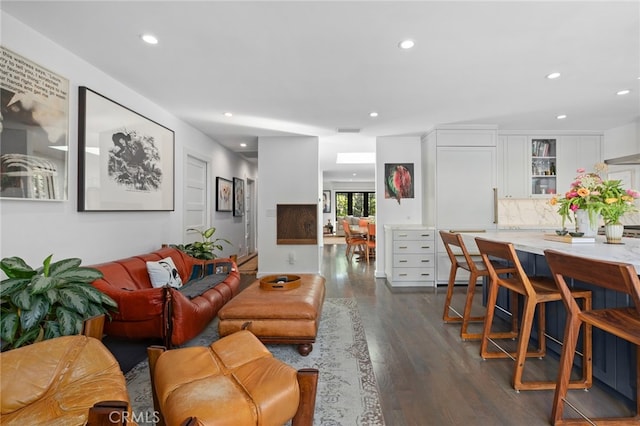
[(279, 316), (234, 381)]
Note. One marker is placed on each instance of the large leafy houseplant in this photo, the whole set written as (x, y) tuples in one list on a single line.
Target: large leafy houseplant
[(48, 302), (203, 249)]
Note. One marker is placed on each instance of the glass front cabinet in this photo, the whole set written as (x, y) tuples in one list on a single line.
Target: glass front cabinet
[(543, 166)]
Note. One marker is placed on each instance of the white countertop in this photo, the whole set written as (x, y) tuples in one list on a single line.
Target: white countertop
[(409, 226), (533, 242)]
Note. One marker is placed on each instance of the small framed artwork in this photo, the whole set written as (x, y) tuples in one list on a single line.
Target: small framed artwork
[(326, 201), (398, 181), (238, 197), (224, 189), (125, 160)]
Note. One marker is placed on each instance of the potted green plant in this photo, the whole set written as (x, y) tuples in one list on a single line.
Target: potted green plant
[(202, 249), (48, 302)]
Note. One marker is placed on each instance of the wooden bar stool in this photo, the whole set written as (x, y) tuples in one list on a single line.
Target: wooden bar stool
[(621, 322), (536, 291), (461, 259)]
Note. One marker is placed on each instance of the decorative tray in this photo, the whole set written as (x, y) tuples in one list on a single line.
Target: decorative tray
[(280, 282), (569, 239)]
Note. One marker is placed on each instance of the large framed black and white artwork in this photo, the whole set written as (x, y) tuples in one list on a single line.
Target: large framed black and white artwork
[(125, 160), (224, 194), (34, 130), (238, 197)]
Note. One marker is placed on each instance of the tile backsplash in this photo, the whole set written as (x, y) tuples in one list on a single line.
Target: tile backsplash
[(531, 213)]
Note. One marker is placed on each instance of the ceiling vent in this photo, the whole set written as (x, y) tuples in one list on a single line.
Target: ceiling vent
[(348, 130)]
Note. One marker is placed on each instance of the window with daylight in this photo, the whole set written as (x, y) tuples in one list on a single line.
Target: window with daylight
[(360, 204)]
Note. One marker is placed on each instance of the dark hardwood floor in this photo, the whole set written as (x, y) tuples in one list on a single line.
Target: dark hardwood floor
[(426, 374)]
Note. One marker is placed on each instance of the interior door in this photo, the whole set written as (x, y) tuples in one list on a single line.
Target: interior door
[(196, 198)]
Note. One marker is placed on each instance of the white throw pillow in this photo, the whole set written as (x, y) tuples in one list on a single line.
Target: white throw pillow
[(164, 272)]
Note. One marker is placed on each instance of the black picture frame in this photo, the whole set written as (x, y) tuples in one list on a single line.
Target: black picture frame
[(238, 197), (224, 194), (326, 201), (125, 160)]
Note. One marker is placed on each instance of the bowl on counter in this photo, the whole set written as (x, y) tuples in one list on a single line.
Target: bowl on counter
[(576, 234), (561, 232)]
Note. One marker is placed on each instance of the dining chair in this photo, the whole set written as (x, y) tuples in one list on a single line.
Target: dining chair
[(536, 292), (354, 242), (623, 322), (371, 240), (460, 258)]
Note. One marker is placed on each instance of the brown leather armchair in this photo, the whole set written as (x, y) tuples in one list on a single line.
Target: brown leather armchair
[(60, 381)]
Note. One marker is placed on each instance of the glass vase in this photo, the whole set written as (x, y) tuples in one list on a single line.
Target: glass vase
[(587, 224)]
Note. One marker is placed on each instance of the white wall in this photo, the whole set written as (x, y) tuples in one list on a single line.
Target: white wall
[(34, 229), (621, 141), (288, 168), (396, 149)]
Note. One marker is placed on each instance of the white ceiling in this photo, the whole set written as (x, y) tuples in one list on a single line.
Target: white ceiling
[(309, 68)]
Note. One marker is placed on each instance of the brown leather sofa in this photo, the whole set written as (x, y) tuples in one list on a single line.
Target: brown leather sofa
[(165, 313), (59, 381)]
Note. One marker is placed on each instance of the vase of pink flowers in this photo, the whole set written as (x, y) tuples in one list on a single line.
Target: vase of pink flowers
[(592, 197)]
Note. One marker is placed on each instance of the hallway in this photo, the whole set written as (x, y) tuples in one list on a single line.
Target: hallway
[(425, 373)]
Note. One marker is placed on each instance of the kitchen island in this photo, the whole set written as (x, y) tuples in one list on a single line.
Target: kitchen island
[(613, 358), (533, 242)]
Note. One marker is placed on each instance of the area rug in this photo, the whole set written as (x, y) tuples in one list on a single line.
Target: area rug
[(347, 389)]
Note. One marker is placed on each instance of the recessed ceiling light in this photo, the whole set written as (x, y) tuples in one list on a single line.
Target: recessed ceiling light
[(406, 44), (553, 75), (373, 114), (355, 174), (561, 116), (244, 145), (228, 114), (148, 38), (623, 92)]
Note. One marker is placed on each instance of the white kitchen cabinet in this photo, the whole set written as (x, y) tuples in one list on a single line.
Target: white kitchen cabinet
[(513, 157), (540, 165), (466, 196), (577, 152), (466, 192), (543, 166), (410, 259)]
